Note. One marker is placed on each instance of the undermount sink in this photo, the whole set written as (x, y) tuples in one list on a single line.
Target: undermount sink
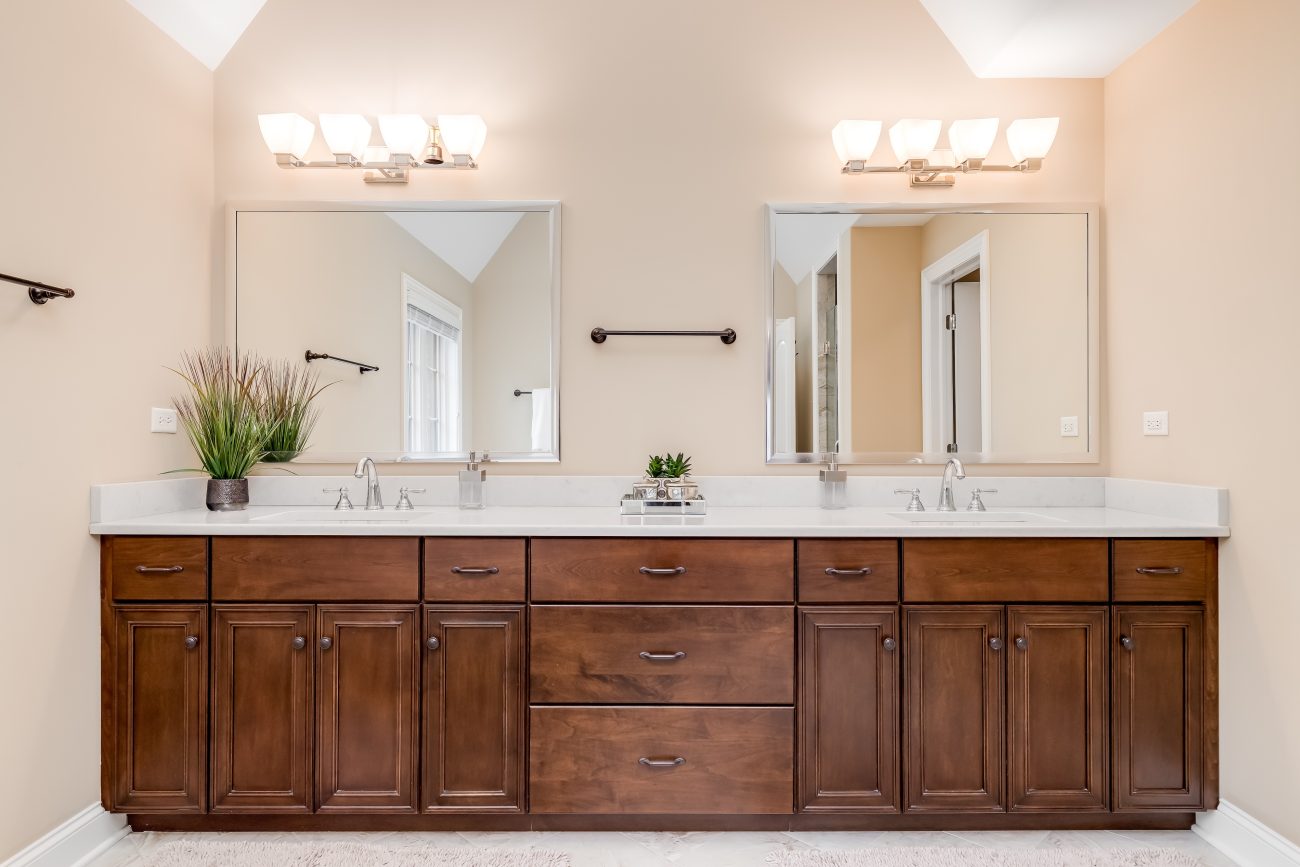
[(969, 517), (331, 516)]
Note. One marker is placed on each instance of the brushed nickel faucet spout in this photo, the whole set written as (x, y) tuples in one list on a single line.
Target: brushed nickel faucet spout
[(367, 470), (954, 467)]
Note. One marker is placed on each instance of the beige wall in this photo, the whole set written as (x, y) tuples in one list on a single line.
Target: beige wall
[(512, 336), (345, 271), (1038, 305), (879, 268), (105, 167), (662, 155), (1200, 321)]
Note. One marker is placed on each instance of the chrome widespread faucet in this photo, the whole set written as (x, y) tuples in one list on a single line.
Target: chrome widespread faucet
[(954, 467), (367, 470)]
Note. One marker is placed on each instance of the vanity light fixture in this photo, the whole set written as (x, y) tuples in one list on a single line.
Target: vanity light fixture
[(914, 143), (410, 143)]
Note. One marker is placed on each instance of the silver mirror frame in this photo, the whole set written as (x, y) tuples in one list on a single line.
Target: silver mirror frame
[(1093, 214), (549, 206)]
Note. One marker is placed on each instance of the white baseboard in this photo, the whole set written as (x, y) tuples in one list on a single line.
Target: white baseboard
[(1245, 839), (77, 841)]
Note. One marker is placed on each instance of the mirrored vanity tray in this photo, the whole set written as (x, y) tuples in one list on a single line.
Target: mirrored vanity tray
[(633, 506)]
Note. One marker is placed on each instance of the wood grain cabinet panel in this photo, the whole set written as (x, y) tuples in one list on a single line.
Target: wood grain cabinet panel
[(155, 732), (1005, 570), (848, 710), (474, 709), (649, 654), (315, 569), (157, 568), (661, 760), (475, 569), (262, 698), (848, 570), (367, 709), (1057, 754), (1159, 701), (954, 697), (1162, 570), (662, 570)]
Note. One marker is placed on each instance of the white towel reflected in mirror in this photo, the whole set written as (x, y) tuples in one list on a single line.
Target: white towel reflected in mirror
[(543, 420)]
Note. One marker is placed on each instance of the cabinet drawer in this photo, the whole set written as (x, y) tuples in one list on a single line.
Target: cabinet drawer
[(662, 760), (663, 570), (158, 567), (1162, 570), (668, 654), (474, 570), (1005, 570), (844, 570), (315, 568)]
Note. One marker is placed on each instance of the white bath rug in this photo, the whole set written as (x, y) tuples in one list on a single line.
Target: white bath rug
[(202, 853), (916, 856)]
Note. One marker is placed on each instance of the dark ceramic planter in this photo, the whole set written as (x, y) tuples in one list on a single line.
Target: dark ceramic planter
[(227, 495)]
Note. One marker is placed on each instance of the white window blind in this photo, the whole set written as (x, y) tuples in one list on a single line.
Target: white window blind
[(433, 379)]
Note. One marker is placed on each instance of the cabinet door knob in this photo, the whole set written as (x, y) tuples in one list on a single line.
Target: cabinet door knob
[(299, 642), (326, 642), (662, 763), (848, 573), (1126, 642), (995, 643), (432, 643), (1022, 643), (675, 570), (191, 642), (889, 644)]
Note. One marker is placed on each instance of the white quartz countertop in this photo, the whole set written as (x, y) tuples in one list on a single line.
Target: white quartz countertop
[(740, 521)]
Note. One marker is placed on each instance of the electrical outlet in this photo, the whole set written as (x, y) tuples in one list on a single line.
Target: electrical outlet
[(1069, 425), (162, 420), (1155, 424)]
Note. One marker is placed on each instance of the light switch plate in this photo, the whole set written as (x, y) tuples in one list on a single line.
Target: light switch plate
[(162, 420), (1155, 424), (1069, 425)]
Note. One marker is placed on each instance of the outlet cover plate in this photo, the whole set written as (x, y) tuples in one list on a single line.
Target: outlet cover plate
[(1155, 424), (1069, 425), (162, 420)]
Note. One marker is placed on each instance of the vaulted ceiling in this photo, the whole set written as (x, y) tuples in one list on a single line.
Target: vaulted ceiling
[(997, 38)]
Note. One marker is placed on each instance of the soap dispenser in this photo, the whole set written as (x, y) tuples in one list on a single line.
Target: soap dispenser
[(835, 485), (473, 479)]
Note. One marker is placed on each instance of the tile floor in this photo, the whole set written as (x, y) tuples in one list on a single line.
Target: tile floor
[(710, 849)]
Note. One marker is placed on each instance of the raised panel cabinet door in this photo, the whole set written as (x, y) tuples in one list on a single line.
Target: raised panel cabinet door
[(159, 709), (262, 708), (367, 665), (1159, 698), (1057, 741), (954, 699), (848, 710), (474, 709)]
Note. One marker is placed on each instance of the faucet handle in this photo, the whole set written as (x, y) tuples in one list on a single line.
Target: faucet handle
[(403, 501), (976, 504), (344, 503), (914, 504)]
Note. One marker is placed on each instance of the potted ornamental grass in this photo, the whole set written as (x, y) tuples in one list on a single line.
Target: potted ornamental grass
[(285, 394)]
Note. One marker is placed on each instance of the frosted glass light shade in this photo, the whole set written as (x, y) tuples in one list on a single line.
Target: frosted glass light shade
[(855, 140), (462, 134), (345, 133), (972, 139), (914, 138), (941, 157), (1031, 138), (287, 133), (375, 154), (404, 133)]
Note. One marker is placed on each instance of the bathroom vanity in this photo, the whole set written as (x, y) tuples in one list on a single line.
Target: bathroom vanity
[(397, 678)]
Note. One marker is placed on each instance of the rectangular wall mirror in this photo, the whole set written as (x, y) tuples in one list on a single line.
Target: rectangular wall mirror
[(441, 322), (910, 335)]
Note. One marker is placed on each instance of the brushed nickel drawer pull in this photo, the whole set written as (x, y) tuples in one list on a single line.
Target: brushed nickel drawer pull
[(667, 657), (474, 570), (1160, 570), (662, 763), (675, 570), (159, 570), (848, 573)]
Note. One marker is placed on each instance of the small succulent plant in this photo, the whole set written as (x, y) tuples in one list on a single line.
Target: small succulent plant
[(668, 466)]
